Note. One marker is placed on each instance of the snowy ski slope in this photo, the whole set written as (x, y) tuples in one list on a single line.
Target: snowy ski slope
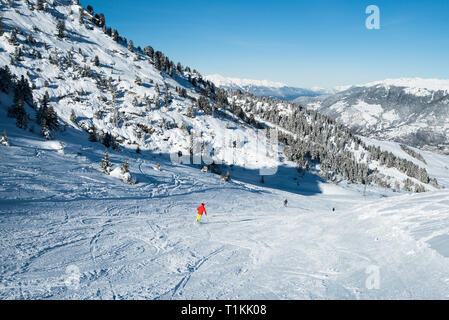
[(59, 213)]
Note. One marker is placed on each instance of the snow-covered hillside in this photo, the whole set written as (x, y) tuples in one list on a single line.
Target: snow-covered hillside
[(410, 110), (124, 95)]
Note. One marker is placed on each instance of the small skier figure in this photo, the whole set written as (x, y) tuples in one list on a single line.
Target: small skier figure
[(285, 202), (201, 210)]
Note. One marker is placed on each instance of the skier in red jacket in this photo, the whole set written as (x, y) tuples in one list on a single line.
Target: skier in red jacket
[(201, 210)]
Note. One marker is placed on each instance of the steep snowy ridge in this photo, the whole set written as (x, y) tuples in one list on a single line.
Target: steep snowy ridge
[(152, 115)]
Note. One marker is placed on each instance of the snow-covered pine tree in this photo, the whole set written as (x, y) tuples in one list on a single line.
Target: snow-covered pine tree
[(13, 37), (18, 112), (107, 140), (101, 21), (115, 35), (93, 135), (51, 118), (125, 167), (81, 16), (45, 131), (40, 4), (131, 46), (73, 116), (96, 61), (23, 91), (149, 51), (60, 28), (105, 163), (43, 108), (1, 25)]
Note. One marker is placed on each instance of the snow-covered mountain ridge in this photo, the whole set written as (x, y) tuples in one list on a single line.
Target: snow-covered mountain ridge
[(416, 86), (221, 81), (410, 110), (264, 88)]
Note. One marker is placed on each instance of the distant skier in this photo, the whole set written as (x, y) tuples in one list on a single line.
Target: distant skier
[(285, 202), (201, 210)]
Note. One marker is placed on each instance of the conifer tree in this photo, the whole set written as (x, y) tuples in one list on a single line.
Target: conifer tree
[(101, 20), (45, 131), (40, 4), (17, 111), (73, 116), (115, 35), (43, 109), (107, 140), (131, 46), (105, 163), (149, 51), (81, 16), (96, 61), (60, 28), (1, 25), (13, 37), (125, 167), (93, 135)]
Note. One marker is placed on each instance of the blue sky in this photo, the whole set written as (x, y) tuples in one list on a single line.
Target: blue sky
[(301, 43)]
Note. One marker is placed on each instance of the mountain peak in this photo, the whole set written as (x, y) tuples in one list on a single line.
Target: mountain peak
[(413, 83), (220, 80)]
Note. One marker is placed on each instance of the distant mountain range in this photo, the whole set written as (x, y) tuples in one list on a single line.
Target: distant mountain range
[(265, 88), (414, 111)]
